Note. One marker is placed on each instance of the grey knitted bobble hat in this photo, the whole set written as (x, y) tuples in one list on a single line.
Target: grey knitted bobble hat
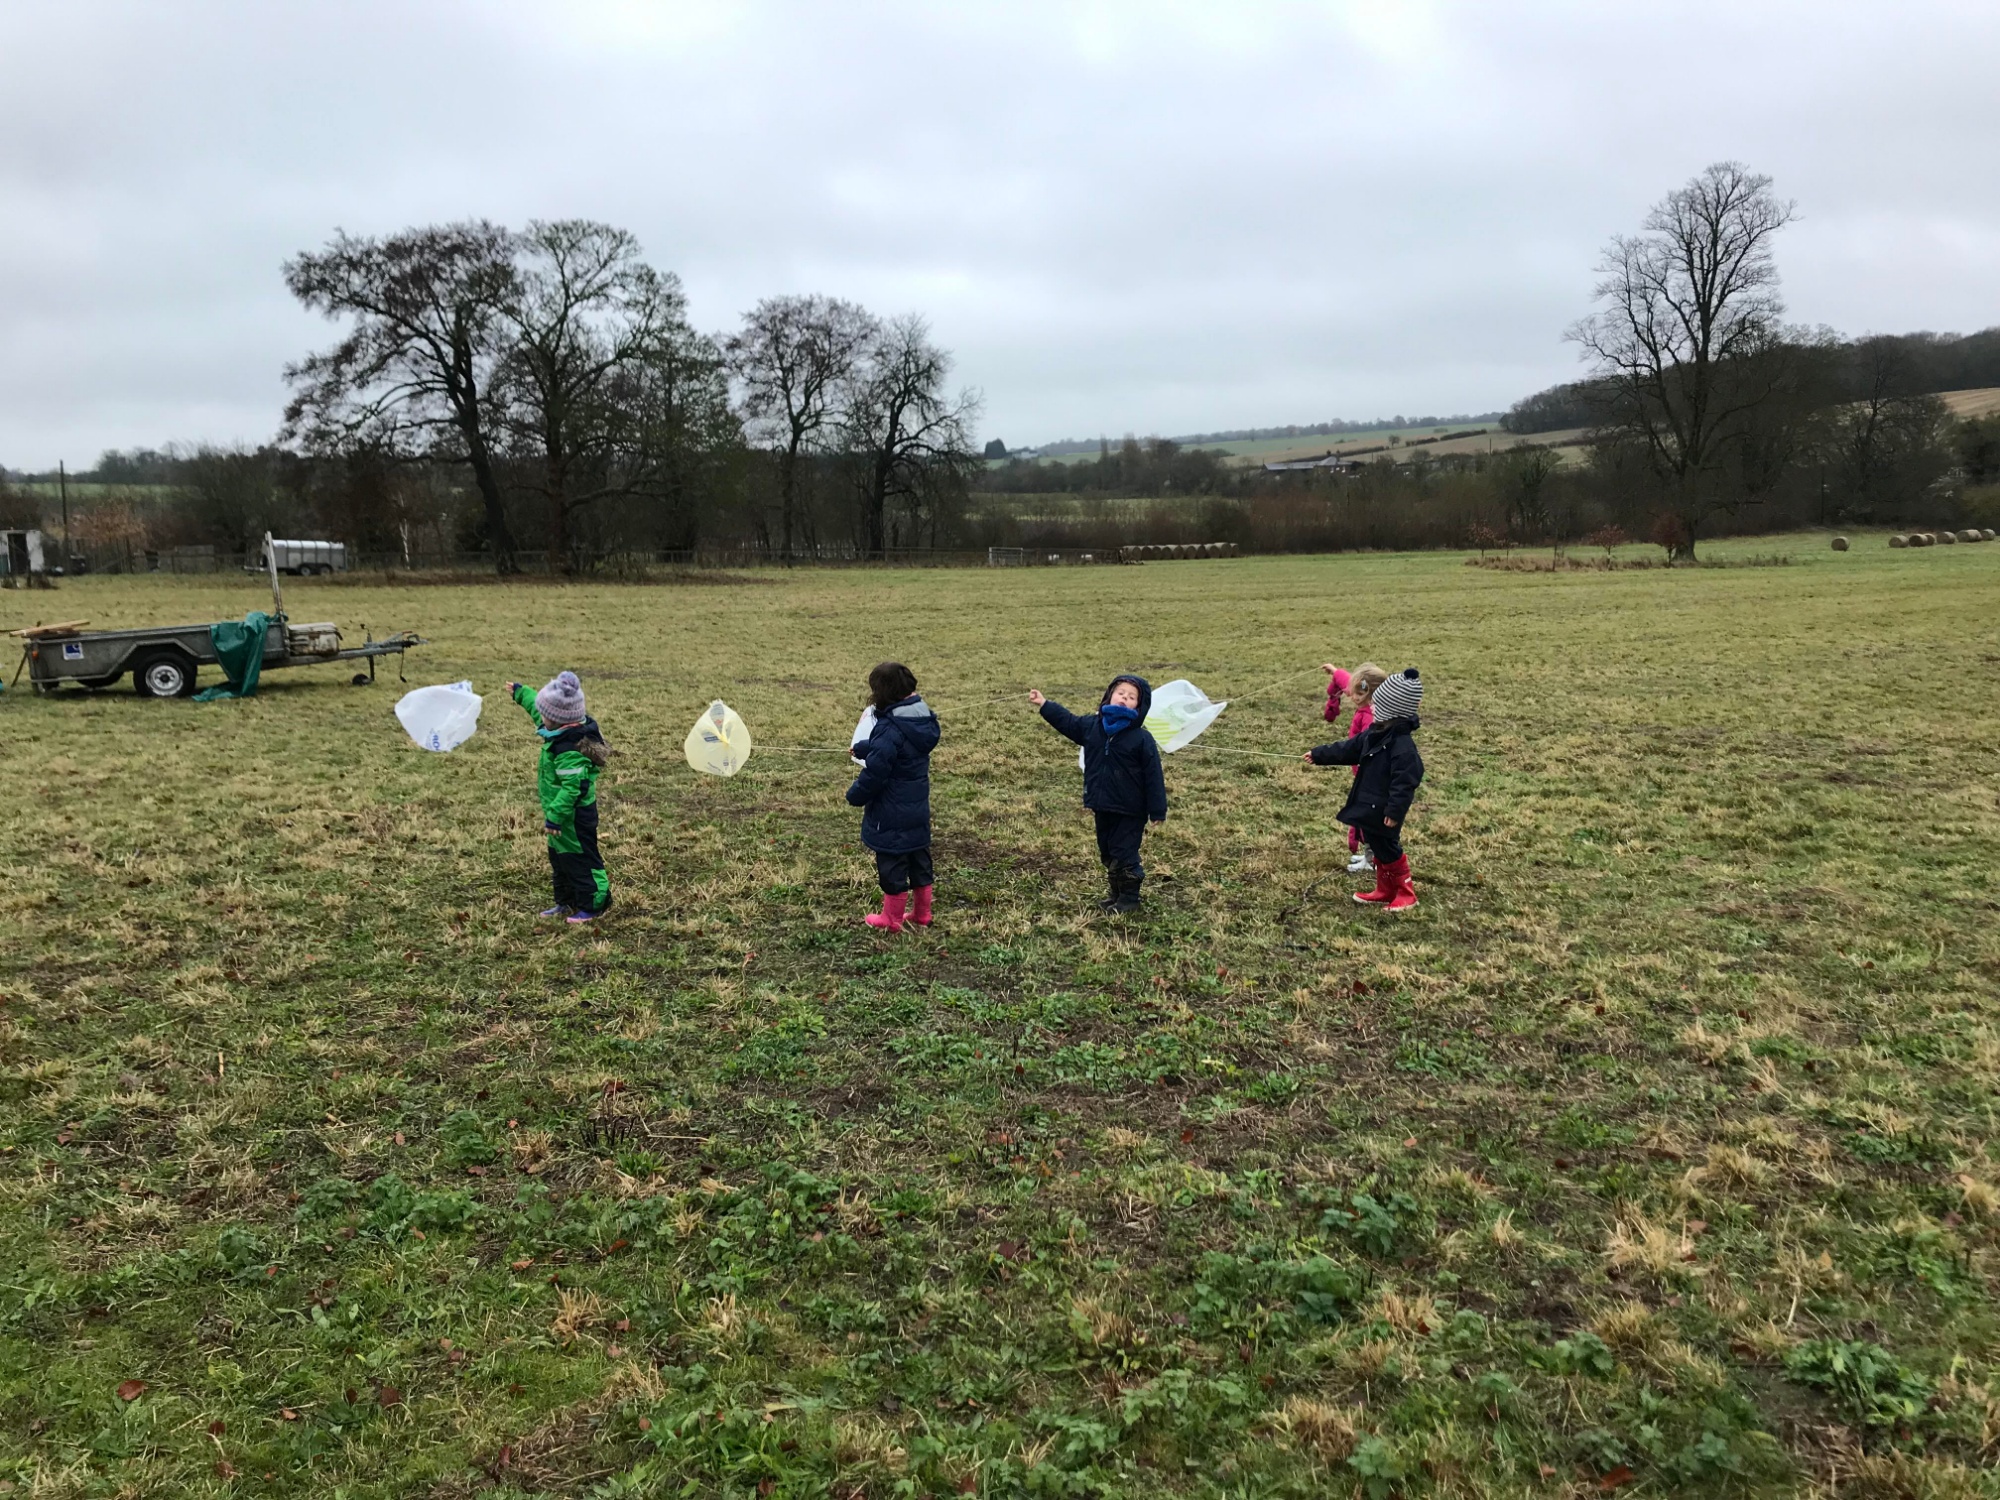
[(561, 702)]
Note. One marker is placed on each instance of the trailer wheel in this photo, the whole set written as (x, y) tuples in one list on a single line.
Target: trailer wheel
[(164, 674)]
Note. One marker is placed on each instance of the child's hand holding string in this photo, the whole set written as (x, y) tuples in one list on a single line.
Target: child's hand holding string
[(1035, 697)]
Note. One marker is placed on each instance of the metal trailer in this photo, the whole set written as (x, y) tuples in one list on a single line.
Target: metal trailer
[(301, 557), (164, 660)]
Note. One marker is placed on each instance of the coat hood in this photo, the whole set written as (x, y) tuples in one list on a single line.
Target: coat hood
[(1145, 692), (572, 737), (913, 717)]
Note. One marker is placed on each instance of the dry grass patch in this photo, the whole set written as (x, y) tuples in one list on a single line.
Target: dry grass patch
[(1639, 1245), (1321, 1427)]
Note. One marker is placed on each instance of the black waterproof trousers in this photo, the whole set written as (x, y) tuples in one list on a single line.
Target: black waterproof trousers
[(1384, 842), (897, 873), (1118, 838), (579, 876)]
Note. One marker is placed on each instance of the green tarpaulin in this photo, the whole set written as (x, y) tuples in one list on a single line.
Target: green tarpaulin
[(239, 647)]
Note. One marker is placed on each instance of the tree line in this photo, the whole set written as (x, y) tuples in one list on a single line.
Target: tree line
[(506, 391), (1704, 410), (542, 389)]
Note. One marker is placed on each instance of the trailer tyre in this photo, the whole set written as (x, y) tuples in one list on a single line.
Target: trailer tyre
[(164, 674)]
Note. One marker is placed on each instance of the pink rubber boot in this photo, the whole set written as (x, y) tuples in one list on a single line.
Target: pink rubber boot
[(921, 915), (890, 917)]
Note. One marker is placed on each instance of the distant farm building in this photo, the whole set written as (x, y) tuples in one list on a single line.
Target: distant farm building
[(1330, 463)]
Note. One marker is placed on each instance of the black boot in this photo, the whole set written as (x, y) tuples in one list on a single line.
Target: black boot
[(1114, 878), (1125, 897)]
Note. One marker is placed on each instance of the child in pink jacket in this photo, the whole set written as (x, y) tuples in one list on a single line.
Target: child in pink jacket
[(1362, 682)]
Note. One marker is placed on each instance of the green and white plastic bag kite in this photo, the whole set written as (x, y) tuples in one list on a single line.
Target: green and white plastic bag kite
[(719, 743), (1180, 712)]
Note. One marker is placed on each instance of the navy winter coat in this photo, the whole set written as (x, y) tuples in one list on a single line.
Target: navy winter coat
[(1121, 772), (894, 787), (1388, 770)]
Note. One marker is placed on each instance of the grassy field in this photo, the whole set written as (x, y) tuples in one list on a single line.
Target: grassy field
[(1655, 1153)]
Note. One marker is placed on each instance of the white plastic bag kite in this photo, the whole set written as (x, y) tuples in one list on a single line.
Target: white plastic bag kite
[(864, 728), (719, 743), (440, 718), (1180, 712)]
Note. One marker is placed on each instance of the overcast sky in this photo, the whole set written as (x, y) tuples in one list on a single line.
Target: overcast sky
[(1121, 217)]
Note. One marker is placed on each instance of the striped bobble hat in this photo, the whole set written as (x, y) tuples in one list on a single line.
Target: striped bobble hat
[(1400, 696)]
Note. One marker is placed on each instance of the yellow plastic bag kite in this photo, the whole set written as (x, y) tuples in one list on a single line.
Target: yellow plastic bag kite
[(719, 743)]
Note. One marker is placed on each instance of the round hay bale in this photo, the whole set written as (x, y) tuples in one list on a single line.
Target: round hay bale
[(1988, 533), (1923, 539), (1840, 544), (1971, 535), (1947, 538), (1899, 541)]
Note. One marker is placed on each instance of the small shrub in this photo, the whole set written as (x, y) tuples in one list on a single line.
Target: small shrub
[(1875, 1389), (465, 1143)]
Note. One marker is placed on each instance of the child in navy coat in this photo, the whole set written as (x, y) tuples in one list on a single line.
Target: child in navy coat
[(1387, 772), (1123, 783), (894, 793)]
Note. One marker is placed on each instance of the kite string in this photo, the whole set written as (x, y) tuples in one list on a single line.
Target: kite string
[(1227, 750)]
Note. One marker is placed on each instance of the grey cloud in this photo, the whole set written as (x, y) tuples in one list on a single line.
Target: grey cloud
[(1120, 216)]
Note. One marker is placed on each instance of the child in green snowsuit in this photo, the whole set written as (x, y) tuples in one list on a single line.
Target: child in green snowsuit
[(573, 752)]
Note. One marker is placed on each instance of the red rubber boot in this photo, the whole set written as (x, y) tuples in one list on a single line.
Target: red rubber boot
[(1385, 885), (921, 913), (1406, 894), (890, 917)]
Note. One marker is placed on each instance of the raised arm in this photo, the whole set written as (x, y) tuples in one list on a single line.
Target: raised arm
[(524, 695), (1070, 726), (1341, 753)]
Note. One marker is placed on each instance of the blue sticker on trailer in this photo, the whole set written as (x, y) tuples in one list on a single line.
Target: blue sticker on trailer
[(72, 650)]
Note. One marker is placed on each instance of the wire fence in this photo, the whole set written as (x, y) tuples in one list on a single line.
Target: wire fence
[(731, 557)]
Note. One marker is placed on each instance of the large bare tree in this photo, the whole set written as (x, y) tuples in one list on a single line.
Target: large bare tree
[(411, 377), (795, 358), (593, 335), (1688, 344), (911, 438)]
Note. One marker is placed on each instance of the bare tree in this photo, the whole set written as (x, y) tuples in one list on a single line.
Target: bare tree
[(1887, 445), (911, 438), (1689, 345), (593, 332), (795, 357), (1523, 476), (411, 376)]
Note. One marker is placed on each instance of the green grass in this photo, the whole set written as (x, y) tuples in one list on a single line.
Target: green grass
[(1657, 1145)]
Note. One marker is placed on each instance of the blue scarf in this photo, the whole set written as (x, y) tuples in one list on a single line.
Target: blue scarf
[(1117, 716)]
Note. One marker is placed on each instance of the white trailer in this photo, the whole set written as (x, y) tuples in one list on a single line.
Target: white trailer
[(301, 558)]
